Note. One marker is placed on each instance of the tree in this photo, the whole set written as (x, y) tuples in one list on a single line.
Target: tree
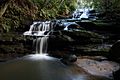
[(110, 8), (52, 8), (3, 6)]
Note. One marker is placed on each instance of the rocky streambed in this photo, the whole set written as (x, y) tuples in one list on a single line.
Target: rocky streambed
[(86, 45)]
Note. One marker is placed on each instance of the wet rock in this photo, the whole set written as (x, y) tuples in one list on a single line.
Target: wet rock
[(83, 36), (58, 41), (14, 45), (72, 58), (114, 52), (68, 38), (63, 39), (67, 59), (116, 75)]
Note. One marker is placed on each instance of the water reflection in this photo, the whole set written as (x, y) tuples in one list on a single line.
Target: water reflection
[(43, 56), (40, 67)]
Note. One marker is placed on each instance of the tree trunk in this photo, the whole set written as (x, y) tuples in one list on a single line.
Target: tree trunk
[(3, 6)]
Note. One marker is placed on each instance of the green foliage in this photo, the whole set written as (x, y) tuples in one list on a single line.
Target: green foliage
[(19, 13), (52, 8)]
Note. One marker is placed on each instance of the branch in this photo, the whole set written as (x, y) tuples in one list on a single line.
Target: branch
[(3, 6)]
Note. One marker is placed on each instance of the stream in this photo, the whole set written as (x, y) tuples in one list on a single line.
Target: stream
[(42, 67)]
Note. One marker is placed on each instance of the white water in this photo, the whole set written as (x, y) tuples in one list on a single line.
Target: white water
[(41, 31), (80, 13), (39, 28), (41, 45)]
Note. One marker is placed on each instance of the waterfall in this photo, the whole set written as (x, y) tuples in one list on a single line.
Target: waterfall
[(80, 13), (40, 45), (41, 30)]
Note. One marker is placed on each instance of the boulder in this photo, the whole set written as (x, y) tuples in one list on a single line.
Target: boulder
[(116, 75), (114, 52), (69, 58)]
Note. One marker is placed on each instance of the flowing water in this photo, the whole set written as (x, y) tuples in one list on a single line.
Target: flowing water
[(80, 13), (39, 28), (41, 31), (41, 44), (40, 66)]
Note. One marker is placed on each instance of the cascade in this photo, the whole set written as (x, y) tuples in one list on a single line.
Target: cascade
[(80, 13), (76, 14), (40, 45), (41, 30)]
